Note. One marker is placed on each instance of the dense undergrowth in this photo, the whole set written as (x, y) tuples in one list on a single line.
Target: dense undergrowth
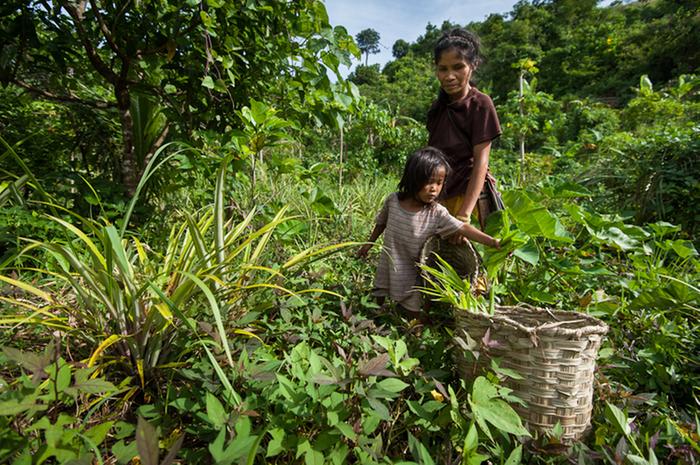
[(254, 339), (228, 320)]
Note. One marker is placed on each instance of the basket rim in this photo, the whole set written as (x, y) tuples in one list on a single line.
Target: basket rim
[(503, 315)]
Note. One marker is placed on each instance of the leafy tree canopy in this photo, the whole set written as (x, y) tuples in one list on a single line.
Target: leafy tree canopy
[(199, 61), (400, 48), (368, 42)]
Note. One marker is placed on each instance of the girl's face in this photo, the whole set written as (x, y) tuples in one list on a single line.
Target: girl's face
[(454, 73), (431, 190)]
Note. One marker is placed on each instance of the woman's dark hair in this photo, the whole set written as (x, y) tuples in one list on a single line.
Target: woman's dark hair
[(466, 43), (419, 168)]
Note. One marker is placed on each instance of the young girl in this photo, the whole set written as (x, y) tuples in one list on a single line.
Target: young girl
[(408, 218), (462, 123)]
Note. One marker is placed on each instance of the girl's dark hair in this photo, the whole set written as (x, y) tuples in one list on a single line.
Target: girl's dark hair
[(419, 168), (466, 43)]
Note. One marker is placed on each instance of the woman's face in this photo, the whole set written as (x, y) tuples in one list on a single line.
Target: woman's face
[(454, 73)]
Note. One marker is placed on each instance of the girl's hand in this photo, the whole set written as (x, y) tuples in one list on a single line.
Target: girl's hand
[(496, 244)]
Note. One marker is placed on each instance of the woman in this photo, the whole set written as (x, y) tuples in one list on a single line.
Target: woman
[(462, 123)]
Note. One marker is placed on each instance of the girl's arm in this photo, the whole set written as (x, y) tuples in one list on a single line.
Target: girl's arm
[(477, 235), (376, 232), (476, 181)]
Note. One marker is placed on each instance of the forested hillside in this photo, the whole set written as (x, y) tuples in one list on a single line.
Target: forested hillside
[(183, 189)]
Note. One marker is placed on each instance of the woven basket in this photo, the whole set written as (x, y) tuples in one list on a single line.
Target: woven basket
[(554, 351), (463, 258)]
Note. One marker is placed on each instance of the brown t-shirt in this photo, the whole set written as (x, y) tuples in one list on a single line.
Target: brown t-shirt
[(456, 127)]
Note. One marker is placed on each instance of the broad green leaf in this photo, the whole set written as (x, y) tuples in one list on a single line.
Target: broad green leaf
[(216, 413), (313, 457), (528, 253), (98, 433), (379, 408), (419, 451), (123, 452), (392, 385), (208, 82), (471, 440), (684, 249), (27, 360), (618, 418), (534, 219), (615, 236), (95, 386), (486, 405), (17, 406), (516, 456), (276, 444), (63, 378)]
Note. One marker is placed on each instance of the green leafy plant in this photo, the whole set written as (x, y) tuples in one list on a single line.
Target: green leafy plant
[(444, 284)]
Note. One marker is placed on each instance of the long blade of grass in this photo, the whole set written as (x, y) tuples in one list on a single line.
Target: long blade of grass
[(25, 168), (12, 190), (83, 237), (215, 364), (114, 338), (219, 211), (264, 239), (237, 230), (313, 252), (197, 238), (250, 238), (151, 168), (117, 246), (216, 311), (28, 288)]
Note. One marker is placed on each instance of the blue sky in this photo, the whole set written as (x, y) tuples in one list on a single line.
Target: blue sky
[(406, 19)]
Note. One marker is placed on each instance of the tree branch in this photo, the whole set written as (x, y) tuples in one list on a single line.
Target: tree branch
[(107, 33), (63, 98), (99, 65)]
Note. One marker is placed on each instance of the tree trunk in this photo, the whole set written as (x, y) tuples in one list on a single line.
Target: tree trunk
[(130, 169), (522, 134)]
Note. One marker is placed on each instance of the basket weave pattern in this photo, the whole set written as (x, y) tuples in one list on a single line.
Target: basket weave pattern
[(555, 352)]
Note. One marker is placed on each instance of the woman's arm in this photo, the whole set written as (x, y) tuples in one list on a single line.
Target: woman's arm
[(376, 232), (476, 181)]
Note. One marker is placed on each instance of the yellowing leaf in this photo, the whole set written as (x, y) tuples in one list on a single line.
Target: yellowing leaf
[(164, 311), (437, 396), (101, 348)]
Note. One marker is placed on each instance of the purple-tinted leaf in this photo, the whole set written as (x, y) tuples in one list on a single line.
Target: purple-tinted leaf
[(27, 360), (362, 325), (441, 388), (341, 351), (621, 451), (491, 344), (147, 442), (346, 311), (654, 440), (374, 366)]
